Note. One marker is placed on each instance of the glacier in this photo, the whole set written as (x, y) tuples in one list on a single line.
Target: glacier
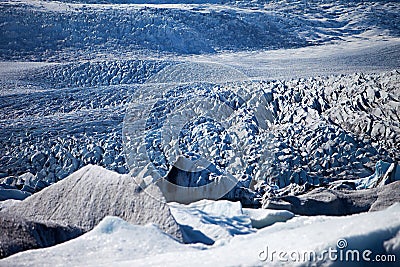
[(134, 132)]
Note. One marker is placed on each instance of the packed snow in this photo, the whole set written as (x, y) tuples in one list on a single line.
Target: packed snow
[(261, 218), (116, 242), (209, 222)]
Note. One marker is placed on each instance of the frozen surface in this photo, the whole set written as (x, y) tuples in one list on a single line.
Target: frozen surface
[(70, 68), (261, 218), (385, 173), (280, 132), (323, 201), (84, 198), (303, 134), (76, 30), (13, 194), (313, 101), (209, 221), (115, 241), (112, 241)]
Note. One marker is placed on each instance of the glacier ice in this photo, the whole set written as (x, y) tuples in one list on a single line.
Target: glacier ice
[(117, 242), (323, 113), (188, 134)]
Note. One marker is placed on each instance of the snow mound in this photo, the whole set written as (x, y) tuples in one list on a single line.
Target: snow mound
[(261, 218), (119, 243), (210, 222), (85, 197), (112, 241)]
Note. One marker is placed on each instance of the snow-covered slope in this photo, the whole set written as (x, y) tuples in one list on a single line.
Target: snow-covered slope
[(112, 241), (84, 198), (118, 243)]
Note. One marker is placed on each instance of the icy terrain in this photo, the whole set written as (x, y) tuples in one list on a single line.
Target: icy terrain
[(285, 104), (92, 193), (66, 110), (77, 30), (116, 242)]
